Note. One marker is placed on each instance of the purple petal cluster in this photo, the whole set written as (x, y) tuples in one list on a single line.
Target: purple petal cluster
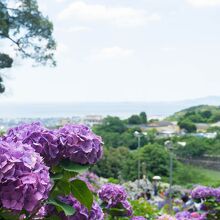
[(217, 193), (185, 215), (166, 217), (42, 140), (138, 218), (24, 179), (82, 212), (115, 196), (80, 144), (112, 194), (202, 192)]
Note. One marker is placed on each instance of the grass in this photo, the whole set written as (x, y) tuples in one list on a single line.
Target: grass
[(190, 175), (211, 177)]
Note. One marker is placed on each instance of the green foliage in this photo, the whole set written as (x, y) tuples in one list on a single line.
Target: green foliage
[(112, 124), (60, 206), (81, 192), (142, 208), (134, 120), (122, 163), (70, 166), (8, 215), (186, 174), (156, 157), (28, 30), (64, 185), (143, 117), (198, 114), (195, 147), (116, 133), (112, 180), (116, 163), (187, 125), (138, 119)]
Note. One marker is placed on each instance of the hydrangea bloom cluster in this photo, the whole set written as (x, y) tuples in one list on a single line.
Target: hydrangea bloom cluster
[(138, 218), (166, 217), (217, 193), (82, 212), (201, 192), (80, 144), (75, 142), (115, 195), (185, 215), (24, 179), (42, 140)]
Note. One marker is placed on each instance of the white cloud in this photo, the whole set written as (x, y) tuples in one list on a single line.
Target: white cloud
[(78, 29), (112, 53), (168, 49), (62, 49), (204, 3), (121, 16)]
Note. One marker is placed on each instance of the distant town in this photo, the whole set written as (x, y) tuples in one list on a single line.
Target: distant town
[(52, 122)]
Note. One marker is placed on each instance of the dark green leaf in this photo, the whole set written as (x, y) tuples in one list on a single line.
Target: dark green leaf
[(116, 212), (81, 192), (8, 215), (73, 167), (56, 176), (53, 217), (68, 210)]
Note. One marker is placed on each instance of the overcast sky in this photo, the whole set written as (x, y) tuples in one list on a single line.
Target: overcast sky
[(125, 50)]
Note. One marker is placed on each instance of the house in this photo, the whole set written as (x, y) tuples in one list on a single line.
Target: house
[(91, 120), (202, 127), (164, 129)]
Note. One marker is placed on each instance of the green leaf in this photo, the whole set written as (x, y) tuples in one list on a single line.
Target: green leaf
[(53, 217), (116, 212), (9, 215), (73, 167), (81, 192), (68, 210), (64, 187), (56, 176)]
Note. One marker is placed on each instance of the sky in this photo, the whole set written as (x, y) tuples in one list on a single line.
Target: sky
[(124, 50)]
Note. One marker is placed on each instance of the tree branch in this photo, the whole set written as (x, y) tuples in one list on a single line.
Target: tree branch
[(17, 44)]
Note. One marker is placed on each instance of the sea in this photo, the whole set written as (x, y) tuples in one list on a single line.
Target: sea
[(81, 109)]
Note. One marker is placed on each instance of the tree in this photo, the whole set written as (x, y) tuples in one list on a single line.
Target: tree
[(28, 30), (187, 125), (111, 124), (157, 159), (134, 120), (206, 114), (195, 147), (143, 117)]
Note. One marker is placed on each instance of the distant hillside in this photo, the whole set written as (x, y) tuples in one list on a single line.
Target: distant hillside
[(198, 114)]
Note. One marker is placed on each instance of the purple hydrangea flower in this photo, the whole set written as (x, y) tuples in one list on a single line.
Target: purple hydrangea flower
[(166, 217), (138, 218), (24, 179), (183, 215), (80, 144), (115, 196), (112, 194), (201, 192), (44, 141), (82, 212), (217, 193)]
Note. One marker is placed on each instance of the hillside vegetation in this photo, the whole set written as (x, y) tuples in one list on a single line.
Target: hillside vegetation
[(198, 114)]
